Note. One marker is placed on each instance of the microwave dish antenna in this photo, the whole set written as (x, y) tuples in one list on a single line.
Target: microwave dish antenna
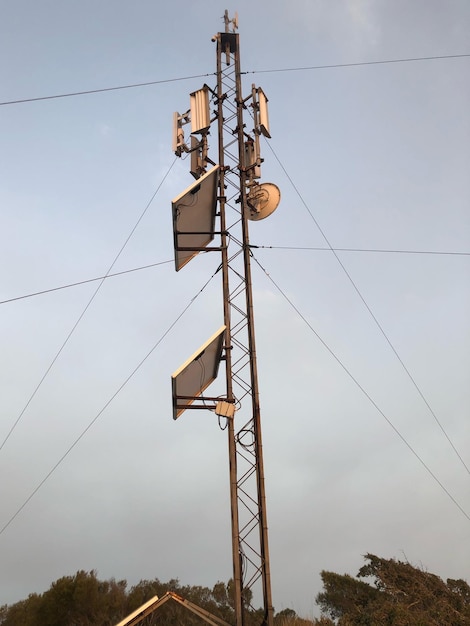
[(262, 201)]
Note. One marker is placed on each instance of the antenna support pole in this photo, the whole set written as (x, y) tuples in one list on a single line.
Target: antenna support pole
[(251, 567), (231, 185)]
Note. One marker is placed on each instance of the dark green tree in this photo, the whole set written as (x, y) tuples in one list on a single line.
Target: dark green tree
[(82, 600), (78, 600), (24, 612), (398, 594)]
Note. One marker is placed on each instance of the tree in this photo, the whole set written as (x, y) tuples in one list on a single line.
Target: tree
[(78, 600), (23, 612), (399, 594), (84, 600)]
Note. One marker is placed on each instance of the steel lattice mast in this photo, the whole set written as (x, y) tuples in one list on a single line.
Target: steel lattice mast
[(239, 198)]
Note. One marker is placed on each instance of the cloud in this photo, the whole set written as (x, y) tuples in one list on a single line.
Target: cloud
[(104, 130), (353, 25), (364, 20)]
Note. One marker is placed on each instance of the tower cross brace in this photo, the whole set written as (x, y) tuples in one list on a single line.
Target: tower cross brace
[(221, 203)]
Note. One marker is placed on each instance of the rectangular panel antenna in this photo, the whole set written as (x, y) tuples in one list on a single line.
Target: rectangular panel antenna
[(197, 373), (196, 158), (177, 134), (194, 217), (200, 113), (263, 113)]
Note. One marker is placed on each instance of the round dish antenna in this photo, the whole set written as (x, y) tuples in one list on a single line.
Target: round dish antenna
[(263, 200)]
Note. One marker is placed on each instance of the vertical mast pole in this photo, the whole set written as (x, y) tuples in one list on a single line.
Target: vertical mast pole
[(238, 199), (263, 526), (237, 578)]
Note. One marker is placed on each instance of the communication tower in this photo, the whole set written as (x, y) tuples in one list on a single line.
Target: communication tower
[(225, 196)]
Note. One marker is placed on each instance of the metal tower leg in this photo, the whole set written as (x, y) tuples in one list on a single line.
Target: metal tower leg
[(251, 570)]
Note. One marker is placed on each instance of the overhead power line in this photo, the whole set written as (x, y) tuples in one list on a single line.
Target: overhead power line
[(275, 70), (103, 89), (82, 314), (376, 250), (364, 391), (371, 313), (102, 410), (258, 247), (84, 282), (359, 64)]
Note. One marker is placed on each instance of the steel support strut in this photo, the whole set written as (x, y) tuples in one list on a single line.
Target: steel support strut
[(251, 570), (228, 342)]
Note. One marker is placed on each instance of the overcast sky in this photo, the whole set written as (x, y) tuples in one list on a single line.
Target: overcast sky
[(380, 157)]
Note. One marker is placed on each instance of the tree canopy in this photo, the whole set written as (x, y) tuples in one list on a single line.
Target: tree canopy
[(84, 600), (387, 591), (384, 592)]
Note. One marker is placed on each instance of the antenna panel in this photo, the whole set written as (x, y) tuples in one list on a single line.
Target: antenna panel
[(177, 134), (252, 159), (196, 160), (197, 373), (194, 217), (263, 113), (200, 113)]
